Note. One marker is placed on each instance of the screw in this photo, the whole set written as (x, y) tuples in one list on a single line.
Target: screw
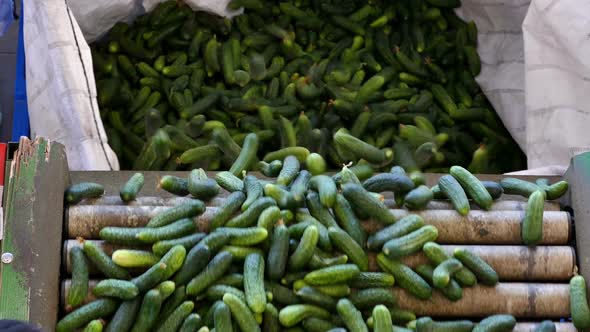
[(7, 258)]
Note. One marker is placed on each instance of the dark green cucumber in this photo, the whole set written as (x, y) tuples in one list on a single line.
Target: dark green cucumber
[(124, 317), (370, 297), (304, 250), (200, 186), (395, 182), (241, 313), (402, 227), (229, 182), (346, 244), (332, 275), (452, 291), (496, 323), (214, 270), (254, 282), (249, 217), (436, 254), (532, 224), (151, 277), (494, 188), (253, 190), (351, 316), (405, 277), (361, 149), (441, 276), (132, 187), (79, 284), (179, 228), (418, 197), (299, 152), (473, 187), (348, 220), (83, 315), (174, 185), (451, 188), (103, 262), (223, 213), (186, 210), (484, 272), (121, 289), (513, 186), (311, 295), (319, 211), (161, 247), (326, 187), (427, 324), (191, 323), (216, 292), (278, 253), (195, 261), (362, 200), (222, 318), (291, 167), (372, 279), (79, 191), (410, 243), (247, 156)]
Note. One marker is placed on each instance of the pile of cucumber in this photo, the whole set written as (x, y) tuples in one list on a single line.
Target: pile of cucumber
[(288, 253), (179, 89)]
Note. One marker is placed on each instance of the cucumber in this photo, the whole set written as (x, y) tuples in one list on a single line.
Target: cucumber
[(545, 326), (314, 324), (418, 197), (496, 323), (291, 166), (121, 235), (247, 236), (326, 187), (372, 280), (427, 324), (304, 250), (200, 186), (410, 243), (215, 241), (452, 291), (242, 314), (187, 210), (222, 318), (346, 244), (513, 186), (216, 292), (253, 190), (579, 303), (79, 284), (348, 220), (484, 272), (148, 312), (195, 261), (332, 275), (370, 297), (270, 321), (293, 314), (361, 149), (395, 182), (121, 289), (278, 252), (174, 185), (230, 205), (103, 262), (250, 216), (494, 188), (472, 186), (229, 182), (300, 185), (254, 282), (319, 211), (532, 224), (362, 200), (315, 164), (79, 191), (124, 317), (453, 190), (151, 277), (284, 199), (298, 152), (214, 270), (381, 319), (132, 187), (280, 293), (83, 315), (402, 227), (556, 190), (171, 302), (161, 247), (177, 317), (191, 323), (179, 228), (351, 316), (405, 277), (247, 156), (130, 258), (310, 295), (442, 274)]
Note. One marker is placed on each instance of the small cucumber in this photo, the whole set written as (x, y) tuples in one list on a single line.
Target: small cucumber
[(402, 227), (79, 284), (83, 315), (346, 244), (200, 186), (319, 211), (452, 291), (196, 260), (382, 319), (132, 187), (222, 318), (300, 185), (172, 301), (270, 321), (161, 247), (362, 200), (247, 156), (229, 182), (151, 277), (253, 190), (242, 314), (299, 152), (121, 235), (79, 191), (484, 272), (284, 198), (280, 293), (532, 224), (130, 258), (254, 282), (187, 210), (395, 182), (148, 312), (361, 149), (442, 274), (348, 220), (472, 186), (326, 187), (179, 228), (216, 292), (215, 241), (121, 289), (332, 275), (292, 315), (278, 253), (174, 185), (410, 243), (311, 295), (372, 280), (496, 323), (427, 324), (216, 268), (191, 323), (351, 316), (557, 190), (315, 164), (453, 190), (291, 166), (494, 188), (94, 326), (405, 277), (304, 250), (124, 317), (513, 186), (103, 262), (247, 236), (230, 205), (579, 303), (418, 198), (370, 297), (250, 216)]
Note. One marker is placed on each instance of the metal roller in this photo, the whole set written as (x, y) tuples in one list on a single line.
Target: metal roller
[(523, 300), (518, 263), (530, 327), (500, 205)]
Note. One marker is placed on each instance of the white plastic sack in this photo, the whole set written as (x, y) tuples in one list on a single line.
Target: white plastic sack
[(553, 46)]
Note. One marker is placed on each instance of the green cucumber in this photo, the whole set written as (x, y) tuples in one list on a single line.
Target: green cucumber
[(130, 258), (291, 166), (427, 324), (362, 200), (200, 186), (305, 249), (270, 321), (496, 323), (452, 291), (254, 282), (278, 253), (161, 247), (326, 187), (121, 235), (222, 318), (442, 274), (395, 182), (177, 317), (410, 243), (79, 191), (513, 186), (124, 317), (247, 236), (186, 210), (451, 188), (381, 319), (216, 292), (293, 314), (280, 293), (148, 312), (299, 152), (230, 205), (191, 323), (171, 302), (121, 289), (103, 262), (370, 297), (556, 190), (132, 187), (405, 277), (580, 311), (250, 216), (315, 164), (545, 326), (253, 190), (247, 156), (418, 197), (300, 185), (351, 316), (196, 260), (348, 221), (83, 315), (332, 275), (532, 224), (214, 270), (484, 272), (472, 186), (402, 227), (174, 185), (229, 182), (311, 295), (79, 284), (361, 149), (242, 314), (436, 254), (179, 228), (372, 280), (319, 211), (346, 244)]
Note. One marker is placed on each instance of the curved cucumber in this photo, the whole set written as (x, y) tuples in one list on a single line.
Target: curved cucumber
[(451, 188), (532, 224), (410, 243), (132, 187), (579, 303), (473, 187)]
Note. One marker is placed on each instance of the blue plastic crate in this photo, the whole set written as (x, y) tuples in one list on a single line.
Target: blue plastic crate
[(20, 116)]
